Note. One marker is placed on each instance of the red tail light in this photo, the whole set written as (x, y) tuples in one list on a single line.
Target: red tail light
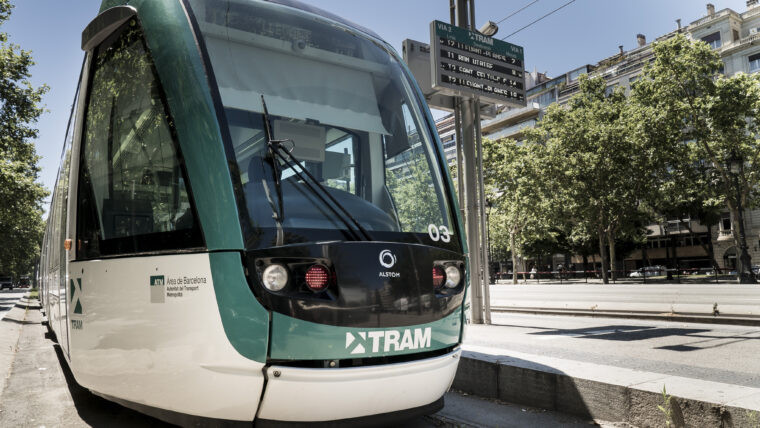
[(317, 278), (439, 276)]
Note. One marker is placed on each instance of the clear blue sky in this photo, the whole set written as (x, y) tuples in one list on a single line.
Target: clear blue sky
[(582, 33)]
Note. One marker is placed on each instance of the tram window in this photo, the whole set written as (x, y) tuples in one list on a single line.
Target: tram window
[(132, 183), (353, 117), (409, 181)]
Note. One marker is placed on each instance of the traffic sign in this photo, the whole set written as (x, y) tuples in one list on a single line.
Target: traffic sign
[(467, 63)]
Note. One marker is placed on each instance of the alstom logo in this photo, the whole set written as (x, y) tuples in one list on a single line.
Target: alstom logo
[(388, 340)]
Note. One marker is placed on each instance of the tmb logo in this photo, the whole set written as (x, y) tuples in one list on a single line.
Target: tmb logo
[(360, 342)]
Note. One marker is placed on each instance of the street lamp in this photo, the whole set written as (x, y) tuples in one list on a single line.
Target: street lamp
[(489, 29), (743, 270)]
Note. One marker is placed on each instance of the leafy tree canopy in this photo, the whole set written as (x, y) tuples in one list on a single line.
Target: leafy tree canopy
[(21, 194)]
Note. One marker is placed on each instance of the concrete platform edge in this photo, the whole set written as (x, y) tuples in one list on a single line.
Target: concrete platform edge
[(543, 387), (722, 319)]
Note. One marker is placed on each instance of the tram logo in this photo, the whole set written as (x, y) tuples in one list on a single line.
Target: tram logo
[(388, 340), (387, 259), (75, 291)]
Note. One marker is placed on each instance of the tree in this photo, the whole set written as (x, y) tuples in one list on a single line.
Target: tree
[(600, 173), (711, 119), (21, 224), (520, 213)]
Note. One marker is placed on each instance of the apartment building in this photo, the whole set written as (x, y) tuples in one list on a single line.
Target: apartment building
[(736, 36)]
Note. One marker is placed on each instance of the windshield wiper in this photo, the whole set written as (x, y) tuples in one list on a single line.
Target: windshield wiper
[(275, 150)]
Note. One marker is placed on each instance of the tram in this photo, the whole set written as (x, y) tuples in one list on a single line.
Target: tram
[(252, 220)]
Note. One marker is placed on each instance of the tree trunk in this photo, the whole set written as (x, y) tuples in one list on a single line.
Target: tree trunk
[(585, 265), (611, 243), (603, 254), (710, 249), (668, 251), (514, 257), (645, 256)]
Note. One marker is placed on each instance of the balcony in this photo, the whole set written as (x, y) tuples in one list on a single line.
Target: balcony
[(731, 47), (707, 19), (725, 235)]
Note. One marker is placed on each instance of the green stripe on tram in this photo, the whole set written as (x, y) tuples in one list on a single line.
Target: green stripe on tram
[(245, 321), (303, 340)]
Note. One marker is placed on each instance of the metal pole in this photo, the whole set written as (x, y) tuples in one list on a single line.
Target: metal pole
[(470, 187), (460, 162), (471, 210), (481, 212)]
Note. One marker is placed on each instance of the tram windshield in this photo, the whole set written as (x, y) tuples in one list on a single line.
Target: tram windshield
[(348, 114)]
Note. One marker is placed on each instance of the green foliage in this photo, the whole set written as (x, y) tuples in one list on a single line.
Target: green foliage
[(520, 213), (666, 408), (21, 222), (706, 119), (599, 174)]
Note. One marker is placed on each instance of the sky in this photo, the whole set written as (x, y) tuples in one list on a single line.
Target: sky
[(583, 32)]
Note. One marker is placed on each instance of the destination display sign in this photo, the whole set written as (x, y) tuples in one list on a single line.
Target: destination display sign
[(467, 63)]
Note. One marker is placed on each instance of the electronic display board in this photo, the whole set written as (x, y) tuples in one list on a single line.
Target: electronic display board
[(468, 63)]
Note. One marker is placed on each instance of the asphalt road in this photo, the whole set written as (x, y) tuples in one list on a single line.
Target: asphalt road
[(719, 353), (732, 299)]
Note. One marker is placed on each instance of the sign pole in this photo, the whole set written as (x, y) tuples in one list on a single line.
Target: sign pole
[(470, 183), (483, 220)]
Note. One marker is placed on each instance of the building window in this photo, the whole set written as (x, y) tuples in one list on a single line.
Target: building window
[(713, 40), (754, 62), (725, 222), (546, 98), (574, 75)]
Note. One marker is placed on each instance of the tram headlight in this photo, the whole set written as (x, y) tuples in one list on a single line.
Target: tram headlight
[(453, 276), (275, 277)]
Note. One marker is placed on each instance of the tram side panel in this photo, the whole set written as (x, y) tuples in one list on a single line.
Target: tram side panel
[(147, 330)]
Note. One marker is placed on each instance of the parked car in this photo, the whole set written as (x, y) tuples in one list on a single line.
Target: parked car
[(6, 282), (24, 282), (647, 271)]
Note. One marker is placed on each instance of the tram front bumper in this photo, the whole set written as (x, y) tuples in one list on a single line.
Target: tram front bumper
[(312, 395)]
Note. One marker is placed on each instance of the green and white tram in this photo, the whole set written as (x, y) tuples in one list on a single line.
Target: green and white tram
[(252, 220)]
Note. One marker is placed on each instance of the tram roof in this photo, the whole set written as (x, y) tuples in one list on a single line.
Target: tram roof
[(325, 14), (289, 3)]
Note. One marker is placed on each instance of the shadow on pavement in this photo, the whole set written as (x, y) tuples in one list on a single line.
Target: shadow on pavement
[(99, 412), (524, 382), (629, 333)]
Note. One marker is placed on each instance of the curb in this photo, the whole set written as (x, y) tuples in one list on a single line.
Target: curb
[(694, 318), (547, 388)]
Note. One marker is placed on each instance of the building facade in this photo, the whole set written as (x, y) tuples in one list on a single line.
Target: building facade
[(736, 37)]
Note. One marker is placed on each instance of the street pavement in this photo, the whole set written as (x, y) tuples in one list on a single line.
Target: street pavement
[(731, 299), (718, 353), (8, 298), (617, 369), (38, 390)]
